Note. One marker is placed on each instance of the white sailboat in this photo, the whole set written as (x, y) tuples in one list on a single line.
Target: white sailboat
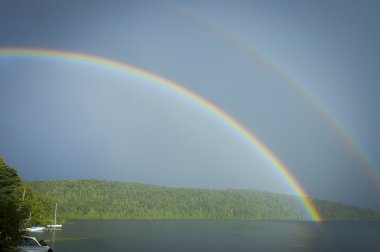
[(55, 226)]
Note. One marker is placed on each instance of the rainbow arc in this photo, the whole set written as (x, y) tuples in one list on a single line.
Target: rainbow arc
[(186, 94)]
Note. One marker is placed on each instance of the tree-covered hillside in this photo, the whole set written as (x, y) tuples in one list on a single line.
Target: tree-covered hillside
[(95, 199)]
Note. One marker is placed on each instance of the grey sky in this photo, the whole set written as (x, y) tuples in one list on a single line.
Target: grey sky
[(63, 119)]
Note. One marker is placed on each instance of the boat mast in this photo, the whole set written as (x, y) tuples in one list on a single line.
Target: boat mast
[(55, 214)]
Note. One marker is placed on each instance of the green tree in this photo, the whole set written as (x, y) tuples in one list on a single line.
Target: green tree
[(11, 215), (37, 207), (19, 207)]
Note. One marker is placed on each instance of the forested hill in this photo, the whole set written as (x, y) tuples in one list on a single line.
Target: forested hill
[(95, 199)]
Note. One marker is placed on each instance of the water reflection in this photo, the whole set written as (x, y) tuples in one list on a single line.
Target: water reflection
[(199, 235)]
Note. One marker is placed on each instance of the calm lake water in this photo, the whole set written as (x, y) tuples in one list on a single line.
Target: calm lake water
[(190, 235)]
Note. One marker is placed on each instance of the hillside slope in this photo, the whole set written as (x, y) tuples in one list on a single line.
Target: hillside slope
[(97, 199)]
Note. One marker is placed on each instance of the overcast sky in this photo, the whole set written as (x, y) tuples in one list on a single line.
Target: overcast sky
[(303, 76)]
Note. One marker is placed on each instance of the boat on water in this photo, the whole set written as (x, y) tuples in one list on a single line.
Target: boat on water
[(35, 229), (30, 244), (54, 226)]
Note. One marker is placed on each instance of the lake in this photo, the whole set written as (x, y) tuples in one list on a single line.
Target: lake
[(206, 235)]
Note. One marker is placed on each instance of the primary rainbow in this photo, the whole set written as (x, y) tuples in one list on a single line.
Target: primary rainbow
[(305, 200)]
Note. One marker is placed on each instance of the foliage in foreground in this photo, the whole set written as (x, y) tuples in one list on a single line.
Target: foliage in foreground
[(19, 207), (95, 199)]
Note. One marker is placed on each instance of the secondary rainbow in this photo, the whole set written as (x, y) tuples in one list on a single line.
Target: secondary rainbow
[(338, 127), (185, 93)]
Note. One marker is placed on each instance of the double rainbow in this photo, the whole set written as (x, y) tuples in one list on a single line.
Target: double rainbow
[(184, 93)]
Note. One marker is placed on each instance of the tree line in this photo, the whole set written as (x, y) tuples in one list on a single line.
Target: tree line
[(97, 199)]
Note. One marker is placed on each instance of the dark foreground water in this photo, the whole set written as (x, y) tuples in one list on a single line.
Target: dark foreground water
[(219, 236)]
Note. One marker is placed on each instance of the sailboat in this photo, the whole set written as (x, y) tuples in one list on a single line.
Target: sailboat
[(54, 226)]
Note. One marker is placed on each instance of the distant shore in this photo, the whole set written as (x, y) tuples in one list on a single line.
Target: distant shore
[(101, 199)]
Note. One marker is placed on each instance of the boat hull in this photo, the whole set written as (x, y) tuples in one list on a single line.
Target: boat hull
[(54, 227), (32, 249), (35, 229)]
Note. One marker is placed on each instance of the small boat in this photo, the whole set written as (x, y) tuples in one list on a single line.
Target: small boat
[(30, 244), (55, 226), (35, 229)]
